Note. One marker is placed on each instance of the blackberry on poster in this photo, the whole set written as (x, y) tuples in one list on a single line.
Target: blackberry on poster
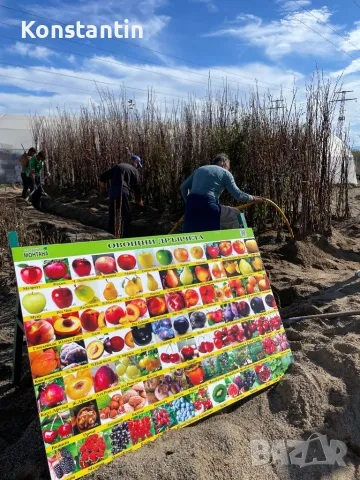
[(63, 462)]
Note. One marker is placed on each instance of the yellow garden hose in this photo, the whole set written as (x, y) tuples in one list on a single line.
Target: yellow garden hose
[(241, 207)]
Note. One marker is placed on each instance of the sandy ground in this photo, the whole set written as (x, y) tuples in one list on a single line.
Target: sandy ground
[(320, 393)]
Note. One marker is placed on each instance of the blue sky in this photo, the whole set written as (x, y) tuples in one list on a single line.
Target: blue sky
[(277, 43)]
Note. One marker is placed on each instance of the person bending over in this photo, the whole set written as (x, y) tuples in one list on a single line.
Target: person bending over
[(206, 184), (24, 162), (124, 178)]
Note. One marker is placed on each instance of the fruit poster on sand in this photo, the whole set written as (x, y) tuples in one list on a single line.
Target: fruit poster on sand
[(130, 338)]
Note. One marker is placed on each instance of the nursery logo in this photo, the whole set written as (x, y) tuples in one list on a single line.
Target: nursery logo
[(36, 252), (79, 30), (316, 450)]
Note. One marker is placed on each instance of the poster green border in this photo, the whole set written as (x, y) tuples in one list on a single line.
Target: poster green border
[(115, 245)]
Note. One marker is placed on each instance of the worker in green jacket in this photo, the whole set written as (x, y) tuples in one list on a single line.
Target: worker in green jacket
[(34, 168)]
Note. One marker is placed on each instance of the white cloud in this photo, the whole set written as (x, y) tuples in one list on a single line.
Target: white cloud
[(58, 89), (210, 5), (28, 50), (353, 67), (353, 39), (291, 6), (72, 59), (286, 36)]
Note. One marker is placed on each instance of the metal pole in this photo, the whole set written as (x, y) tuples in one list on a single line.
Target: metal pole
[(290, 321)]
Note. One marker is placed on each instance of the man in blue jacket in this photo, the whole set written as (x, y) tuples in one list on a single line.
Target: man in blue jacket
[(206, 184)]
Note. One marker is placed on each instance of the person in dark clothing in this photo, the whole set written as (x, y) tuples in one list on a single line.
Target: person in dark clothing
[(124, 178), (24, 162), (33, 172)]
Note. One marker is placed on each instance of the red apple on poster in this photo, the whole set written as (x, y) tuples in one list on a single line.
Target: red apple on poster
[(126, 262), (212, 251), (239, 247), (225, 248), (81, 267), (56, 270), (105, 265), (62, 297), (181, 254), (30, 274)]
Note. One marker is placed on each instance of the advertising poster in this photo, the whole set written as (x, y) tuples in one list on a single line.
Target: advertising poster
[(130, 338)]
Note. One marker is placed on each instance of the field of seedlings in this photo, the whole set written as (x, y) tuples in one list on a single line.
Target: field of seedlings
[(283, 154)]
